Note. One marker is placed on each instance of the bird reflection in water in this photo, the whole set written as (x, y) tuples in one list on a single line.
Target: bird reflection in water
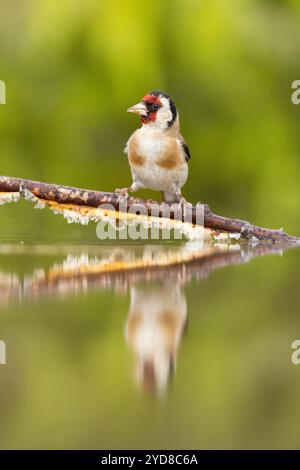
[(155, 277), (155, 325)]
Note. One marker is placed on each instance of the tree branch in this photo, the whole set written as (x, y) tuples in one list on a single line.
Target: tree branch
[(88, 198)]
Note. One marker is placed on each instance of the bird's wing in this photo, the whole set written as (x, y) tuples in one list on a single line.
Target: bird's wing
[(185, 148), (126, 147)]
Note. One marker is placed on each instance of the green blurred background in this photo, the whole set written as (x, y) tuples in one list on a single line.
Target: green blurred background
[(72, 68)]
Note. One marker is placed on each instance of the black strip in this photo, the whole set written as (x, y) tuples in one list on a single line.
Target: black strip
[(173, 111), (186, 151), (140, 458), (172, 105)]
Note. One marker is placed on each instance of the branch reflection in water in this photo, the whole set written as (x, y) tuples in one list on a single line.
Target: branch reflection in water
[(155, 275)]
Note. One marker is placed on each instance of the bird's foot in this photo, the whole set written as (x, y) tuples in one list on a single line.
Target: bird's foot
[(186, 208), (182, 203), (122, 194)]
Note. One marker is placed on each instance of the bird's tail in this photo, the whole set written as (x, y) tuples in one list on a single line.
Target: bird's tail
[(169, 197)]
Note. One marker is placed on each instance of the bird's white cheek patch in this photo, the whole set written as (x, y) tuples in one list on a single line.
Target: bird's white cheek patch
[(163, 116)]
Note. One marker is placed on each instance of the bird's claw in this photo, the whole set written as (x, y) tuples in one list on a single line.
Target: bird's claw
[(182, 203), (186, 208), (122, 194)]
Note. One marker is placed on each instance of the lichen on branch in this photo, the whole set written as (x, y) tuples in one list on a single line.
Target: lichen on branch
[(82, 205)]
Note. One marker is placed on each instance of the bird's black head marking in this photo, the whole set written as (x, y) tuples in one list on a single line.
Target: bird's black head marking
[(172, 105)]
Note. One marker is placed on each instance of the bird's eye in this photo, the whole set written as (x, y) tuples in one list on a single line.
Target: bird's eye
[(156, 106)]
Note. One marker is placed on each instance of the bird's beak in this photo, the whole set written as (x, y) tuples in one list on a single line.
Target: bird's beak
[(139, 108)]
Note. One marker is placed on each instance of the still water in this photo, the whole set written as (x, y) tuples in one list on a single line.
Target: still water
[(112, 347)]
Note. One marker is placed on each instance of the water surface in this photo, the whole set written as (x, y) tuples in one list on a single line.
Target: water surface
[(107, 349)]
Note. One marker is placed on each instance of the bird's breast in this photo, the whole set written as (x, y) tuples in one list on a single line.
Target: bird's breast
[(156, 160), (152, 149)]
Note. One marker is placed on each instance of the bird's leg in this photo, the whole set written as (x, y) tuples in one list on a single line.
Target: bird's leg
[(123, 192), (181, 200)]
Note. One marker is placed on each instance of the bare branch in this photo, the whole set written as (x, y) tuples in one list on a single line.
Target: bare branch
[(87, 198)]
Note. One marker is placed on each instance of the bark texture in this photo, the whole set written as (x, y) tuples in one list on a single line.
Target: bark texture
[(89, 198)]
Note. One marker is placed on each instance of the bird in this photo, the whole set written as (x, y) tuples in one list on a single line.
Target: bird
[(157, 153), (156, 323)]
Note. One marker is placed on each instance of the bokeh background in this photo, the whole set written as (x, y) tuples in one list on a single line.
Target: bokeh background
[(72, 68)]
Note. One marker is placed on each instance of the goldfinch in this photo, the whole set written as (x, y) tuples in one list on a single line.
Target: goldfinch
[(157, 153)]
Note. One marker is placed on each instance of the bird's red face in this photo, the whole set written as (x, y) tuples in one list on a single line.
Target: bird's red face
[(147, 108), (153, 104), (156, 110)]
